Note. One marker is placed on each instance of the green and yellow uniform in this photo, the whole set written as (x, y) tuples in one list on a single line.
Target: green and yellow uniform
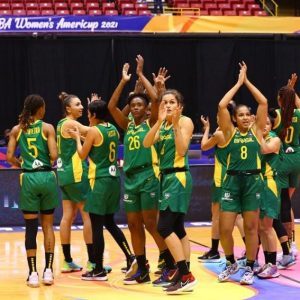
[(38, 181), (243, 184), (289, 171), (71, 170), (141, 170), (176, 180), (104, 175), (270, 205), (219, 173)]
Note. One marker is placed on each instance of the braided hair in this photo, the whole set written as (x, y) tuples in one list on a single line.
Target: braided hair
[(287, 102), (32, 104)]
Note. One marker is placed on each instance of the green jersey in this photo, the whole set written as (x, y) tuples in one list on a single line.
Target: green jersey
[(220, 165), (293, 132), (70, 168), (243, 151), (168, 157), (270, 161), (34, 147), (103, 157), (136, 156)]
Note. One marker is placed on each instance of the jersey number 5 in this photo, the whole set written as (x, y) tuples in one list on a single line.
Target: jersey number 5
[(33, 149)]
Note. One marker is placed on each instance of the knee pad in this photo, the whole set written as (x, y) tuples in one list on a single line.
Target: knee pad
[(164, 230), (180, 231), (286, 206), (31, 233), (279, 229)]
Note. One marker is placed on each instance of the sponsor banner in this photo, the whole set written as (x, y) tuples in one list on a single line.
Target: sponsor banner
[(57, 24), (223, 24)]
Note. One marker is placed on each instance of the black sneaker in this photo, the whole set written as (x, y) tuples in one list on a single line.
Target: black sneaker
[(138, 278), (185, 284), (95, 275), (210, 256)]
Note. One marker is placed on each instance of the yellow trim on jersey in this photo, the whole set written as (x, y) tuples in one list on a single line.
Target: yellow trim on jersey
[(217, 172), (276, 124), (92, 169), (181, 176), (272, 186), (21, 179), (255, 136), (228, 160), (154, 158), (19, 134), (77, 167), (269, 171), (92, 183), (179, 161), (98, 145), (258, 161), (227, 143), (43, 135), (61, 129)]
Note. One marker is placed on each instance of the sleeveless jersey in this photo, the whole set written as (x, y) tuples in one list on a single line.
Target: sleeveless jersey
[(34, 148), (168, 157), (270, 161), (243, 151), (135, 154), (103, 157), (293, 132), (220, 165), (70, 168)]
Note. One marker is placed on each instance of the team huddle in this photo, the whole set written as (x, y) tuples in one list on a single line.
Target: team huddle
[(254, 168)]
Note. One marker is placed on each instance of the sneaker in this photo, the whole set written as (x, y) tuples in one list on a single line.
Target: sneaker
[(167, 278), (229, 270), (248, 277), (279, 256), (269, 271), (128, 264), (132, 270), (138, 278), (185, 284), (294, 249), (210, 256), (286, 262), (69, 267), (33, 280), (48, 278), (95, 275), (90, 266)]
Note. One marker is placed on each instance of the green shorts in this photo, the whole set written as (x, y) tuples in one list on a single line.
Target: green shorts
[(216, 194), (38, 191), (289, 170), (176, 192), (75, 192), (241, 193), (270, 204), (104, 196), (141, 191)]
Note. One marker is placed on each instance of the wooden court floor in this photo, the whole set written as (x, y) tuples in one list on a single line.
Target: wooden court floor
[(13, 272)]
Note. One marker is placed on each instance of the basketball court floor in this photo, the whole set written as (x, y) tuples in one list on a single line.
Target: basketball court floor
[(13, 273)]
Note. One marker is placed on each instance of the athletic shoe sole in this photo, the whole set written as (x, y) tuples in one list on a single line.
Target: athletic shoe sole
[(187, 288)]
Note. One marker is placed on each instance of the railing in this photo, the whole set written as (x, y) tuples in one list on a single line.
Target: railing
[(270, 6), (180, 11)]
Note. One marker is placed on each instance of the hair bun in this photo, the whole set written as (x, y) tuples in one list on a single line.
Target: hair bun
[(62, 96)]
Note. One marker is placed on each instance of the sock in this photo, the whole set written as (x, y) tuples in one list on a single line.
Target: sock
[(250, 263), (31, 260), (168, 258), (67, 252), (272, 258), (285, 248), (141, 261), (266, 254), (90, 251), (188, 265), (182, 267), (230, 258), (49, 260), (214, 245)]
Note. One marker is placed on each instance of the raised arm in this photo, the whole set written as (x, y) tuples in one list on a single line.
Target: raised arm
[(152, 136), (270, 146), (207, 142), (183, 130), (116, 113), (225, 122), (51, 141), (12, 146), (262, 109)]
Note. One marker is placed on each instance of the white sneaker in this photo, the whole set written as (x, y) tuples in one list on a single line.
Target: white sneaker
[(229, 270), (286, 262), (248, 277), (294, 249), (33, 280), (48, 278)]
